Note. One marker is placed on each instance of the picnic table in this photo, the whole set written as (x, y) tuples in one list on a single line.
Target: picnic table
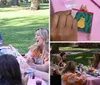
[(91, 80), (24, 67), (58, 5)]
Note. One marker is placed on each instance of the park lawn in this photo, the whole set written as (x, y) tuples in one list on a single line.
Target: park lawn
[(17, 26), (79, 58)]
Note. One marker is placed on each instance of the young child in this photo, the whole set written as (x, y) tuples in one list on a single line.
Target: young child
[(70, 77)]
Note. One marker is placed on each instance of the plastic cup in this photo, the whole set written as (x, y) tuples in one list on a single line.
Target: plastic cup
[(38, 82)]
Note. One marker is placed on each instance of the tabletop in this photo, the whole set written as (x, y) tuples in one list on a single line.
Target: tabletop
[(93, 80)]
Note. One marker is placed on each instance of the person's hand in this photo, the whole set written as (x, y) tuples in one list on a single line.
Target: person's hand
[(61, 61), (30, 61), (25, 79), (78, 74), (89, 62), (63, 27)]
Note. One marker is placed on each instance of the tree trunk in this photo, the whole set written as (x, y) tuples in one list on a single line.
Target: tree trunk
[(35, 4), (15, 3), (55, 48)]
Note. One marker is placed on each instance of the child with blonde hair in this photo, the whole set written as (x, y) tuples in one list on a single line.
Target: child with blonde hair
[(70, 77)]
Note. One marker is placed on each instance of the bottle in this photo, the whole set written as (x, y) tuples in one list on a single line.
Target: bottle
[(0, 40)]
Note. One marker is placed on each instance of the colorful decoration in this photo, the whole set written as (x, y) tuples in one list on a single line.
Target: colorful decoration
[(84, 20)]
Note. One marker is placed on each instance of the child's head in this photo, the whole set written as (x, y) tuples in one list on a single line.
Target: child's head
[(9, 69), (96, 59), (56, 59), (63, 56), (70, 67)]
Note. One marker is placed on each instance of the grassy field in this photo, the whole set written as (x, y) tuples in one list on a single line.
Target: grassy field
[(81, 58), (18, 25), (77, 57)]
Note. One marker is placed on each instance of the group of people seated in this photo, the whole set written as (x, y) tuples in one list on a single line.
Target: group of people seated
[(67, 70), (37, 58)]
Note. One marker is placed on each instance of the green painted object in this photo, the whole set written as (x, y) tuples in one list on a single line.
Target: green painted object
[(84, 21)]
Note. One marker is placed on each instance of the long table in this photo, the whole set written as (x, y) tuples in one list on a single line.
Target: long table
[(93, 80)]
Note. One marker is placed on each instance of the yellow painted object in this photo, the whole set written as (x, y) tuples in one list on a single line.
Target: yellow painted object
[(94, 71), (81, 23)]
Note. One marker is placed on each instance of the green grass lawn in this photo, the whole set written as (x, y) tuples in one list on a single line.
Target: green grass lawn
[(78, 57), (81, 58), (17, 25)]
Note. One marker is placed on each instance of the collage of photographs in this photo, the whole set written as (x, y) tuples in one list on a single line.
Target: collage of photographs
[(49, 42)]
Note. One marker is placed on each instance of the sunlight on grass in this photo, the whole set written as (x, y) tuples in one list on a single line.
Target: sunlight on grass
[(71, 48), (17, 27), (89, 57), (24, 32), (22, 13), (79, 57)]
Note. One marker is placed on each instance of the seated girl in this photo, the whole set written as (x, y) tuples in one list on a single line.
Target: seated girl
[(70, 77), (96, 63)]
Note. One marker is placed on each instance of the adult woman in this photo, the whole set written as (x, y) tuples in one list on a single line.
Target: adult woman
[(38, 51), (8, 74), (38, 54), (96, 64)]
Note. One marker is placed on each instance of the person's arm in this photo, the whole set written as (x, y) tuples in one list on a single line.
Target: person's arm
[(25, 79), (28, 55), (43, 67), (90, 64), (98, 66), (43, 75)]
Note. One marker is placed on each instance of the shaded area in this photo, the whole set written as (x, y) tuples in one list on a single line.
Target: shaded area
[(17, 27), (25, 6), (81, 58), (78, 52)]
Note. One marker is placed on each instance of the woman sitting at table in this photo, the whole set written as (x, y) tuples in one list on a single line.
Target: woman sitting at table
[(96, 63), (70, 77), (37, 50), (10, 73), (37, 57)]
